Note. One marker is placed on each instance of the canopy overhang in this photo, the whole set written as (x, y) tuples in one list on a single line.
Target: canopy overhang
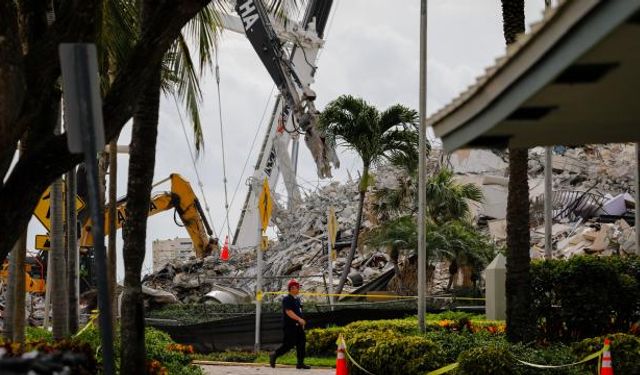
[(574, 79)]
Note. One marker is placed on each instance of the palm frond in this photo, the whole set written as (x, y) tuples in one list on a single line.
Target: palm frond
[(186, 85)]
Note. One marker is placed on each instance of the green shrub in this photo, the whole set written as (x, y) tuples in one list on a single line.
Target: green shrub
[(390, 353), (491, 360), (585, 296), (454, 315), (454, 343), (625, 352), (322, 341), (402, 326), (37, 334), (557, 354), (157, 346)]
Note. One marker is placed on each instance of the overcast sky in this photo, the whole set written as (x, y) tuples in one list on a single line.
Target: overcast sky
[(371, 51)]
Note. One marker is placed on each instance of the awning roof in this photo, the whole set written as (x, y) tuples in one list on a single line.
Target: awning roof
[(574, 79)]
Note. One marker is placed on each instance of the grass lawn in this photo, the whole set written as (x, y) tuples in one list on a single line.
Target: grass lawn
[(263, 357)]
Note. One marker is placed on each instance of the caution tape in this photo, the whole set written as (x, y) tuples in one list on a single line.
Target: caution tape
[(94, 316), (588, 358), (444, 369), (344, 343), (260, 295)]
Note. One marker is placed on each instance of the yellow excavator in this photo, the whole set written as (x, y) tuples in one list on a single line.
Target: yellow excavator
[(181, 198), (187, 206)]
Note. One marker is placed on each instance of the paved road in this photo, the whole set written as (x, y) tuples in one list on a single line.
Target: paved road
[(253, 370)]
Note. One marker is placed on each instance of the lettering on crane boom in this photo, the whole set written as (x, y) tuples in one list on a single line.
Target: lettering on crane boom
[(248, 14)]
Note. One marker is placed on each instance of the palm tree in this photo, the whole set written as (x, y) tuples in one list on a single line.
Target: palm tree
[(374, 136), (447, 211), (448, 200), (520, 324), (176, 75)]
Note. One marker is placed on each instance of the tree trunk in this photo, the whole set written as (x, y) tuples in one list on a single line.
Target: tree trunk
[(60, 309), (356, 230), (72, 251), (15, 298), (141, 166), (520, 324), (111, 251)]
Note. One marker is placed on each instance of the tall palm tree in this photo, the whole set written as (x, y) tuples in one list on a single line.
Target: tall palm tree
[(374, 136), (520, 324)]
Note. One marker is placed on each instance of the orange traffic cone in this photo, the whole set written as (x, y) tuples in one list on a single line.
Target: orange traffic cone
[(607, 365), (341, 361), (224, 255)]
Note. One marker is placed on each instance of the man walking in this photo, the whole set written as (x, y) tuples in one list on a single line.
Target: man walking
[(293, 325)]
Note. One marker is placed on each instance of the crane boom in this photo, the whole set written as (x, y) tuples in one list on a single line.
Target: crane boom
[(294, 113)]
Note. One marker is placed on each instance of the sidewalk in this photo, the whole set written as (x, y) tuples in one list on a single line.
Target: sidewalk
[(261, 370)]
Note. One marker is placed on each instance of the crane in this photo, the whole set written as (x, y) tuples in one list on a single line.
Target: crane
[(292, 70)]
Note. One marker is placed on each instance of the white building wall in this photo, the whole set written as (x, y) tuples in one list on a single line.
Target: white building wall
[(165, 251)]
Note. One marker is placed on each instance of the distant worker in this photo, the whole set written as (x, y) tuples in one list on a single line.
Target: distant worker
[(293, 326)]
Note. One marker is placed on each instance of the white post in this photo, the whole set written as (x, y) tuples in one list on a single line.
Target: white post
[(496, 300), (259, 295), (422, 251), (548, 204)]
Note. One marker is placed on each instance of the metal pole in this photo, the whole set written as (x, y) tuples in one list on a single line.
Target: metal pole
[(111, 251), (548, 195), (104, 305), (72, 252), (330, 268), (637, 187), (258, 276), (422, 251)]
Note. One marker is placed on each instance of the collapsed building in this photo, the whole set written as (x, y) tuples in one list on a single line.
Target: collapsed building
[(592, 212)]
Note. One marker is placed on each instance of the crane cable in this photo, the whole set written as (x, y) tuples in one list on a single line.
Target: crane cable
[(224, 164), (251, 148), (195, 168)]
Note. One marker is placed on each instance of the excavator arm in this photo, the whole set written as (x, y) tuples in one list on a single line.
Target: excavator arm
[(299, 99), (187, 206)]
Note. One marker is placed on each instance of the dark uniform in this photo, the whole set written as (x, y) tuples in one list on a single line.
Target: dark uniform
[(293, 333)]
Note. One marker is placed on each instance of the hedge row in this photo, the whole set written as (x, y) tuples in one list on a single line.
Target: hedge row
[(586, 296)]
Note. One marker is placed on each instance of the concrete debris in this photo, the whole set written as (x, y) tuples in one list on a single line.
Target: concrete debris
[(592, 208)]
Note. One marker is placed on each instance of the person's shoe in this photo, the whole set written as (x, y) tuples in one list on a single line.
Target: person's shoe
[(303, 367), (272, 360)]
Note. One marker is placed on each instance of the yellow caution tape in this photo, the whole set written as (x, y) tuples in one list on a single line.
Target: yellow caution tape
[(588, 358), (343, 342), (444, 369), (94, 316), (384, 296)]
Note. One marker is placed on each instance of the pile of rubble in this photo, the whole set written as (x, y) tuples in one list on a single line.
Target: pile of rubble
[(592, 203), (592, 208)]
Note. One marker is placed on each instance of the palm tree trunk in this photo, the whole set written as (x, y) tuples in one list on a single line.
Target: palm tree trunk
[(15, 295), (58, 265), (141, 165), (356, 231), (59, 304), (520, 325)]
